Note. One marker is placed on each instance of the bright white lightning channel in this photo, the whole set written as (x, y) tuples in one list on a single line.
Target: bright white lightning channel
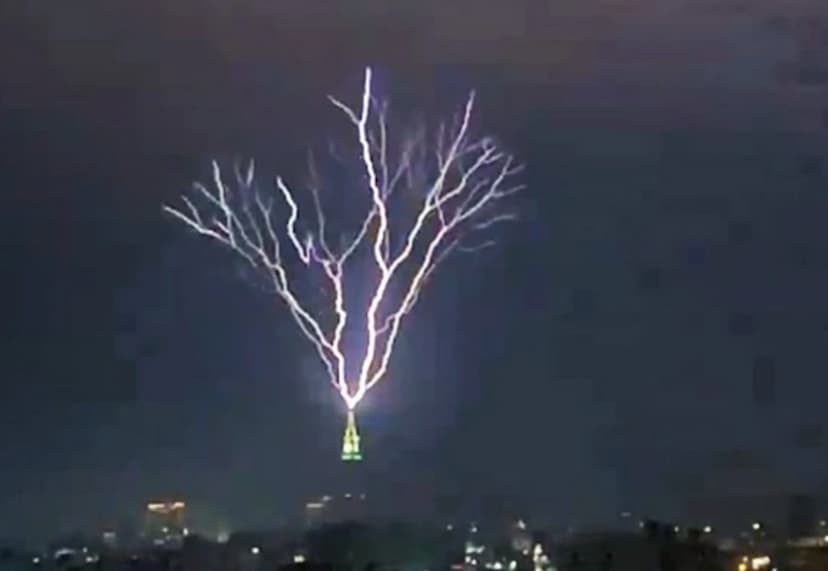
[(469, 180)]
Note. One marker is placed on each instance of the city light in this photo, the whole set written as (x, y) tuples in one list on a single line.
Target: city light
[(539, 558), (166, 507), (759, 563), (472, 548), (756, 526), (63, 552), (708, 529), (255, 550), (298, 558)]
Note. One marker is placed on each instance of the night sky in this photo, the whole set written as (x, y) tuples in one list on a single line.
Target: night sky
[(653, 330)]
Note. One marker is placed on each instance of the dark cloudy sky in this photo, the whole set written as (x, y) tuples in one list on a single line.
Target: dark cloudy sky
[(654, 330)]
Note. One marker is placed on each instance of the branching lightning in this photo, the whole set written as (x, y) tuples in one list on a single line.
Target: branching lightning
[(460, 184)]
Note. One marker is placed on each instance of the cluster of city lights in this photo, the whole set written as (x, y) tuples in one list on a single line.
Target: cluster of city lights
[(477, 555), (757, 563)]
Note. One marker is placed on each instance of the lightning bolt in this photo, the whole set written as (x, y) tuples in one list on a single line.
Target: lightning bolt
[(469, 178)]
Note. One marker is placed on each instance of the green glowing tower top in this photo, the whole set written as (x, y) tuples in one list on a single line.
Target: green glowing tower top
[(350, 441)]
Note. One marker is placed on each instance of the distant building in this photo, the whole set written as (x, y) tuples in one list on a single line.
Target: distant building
[(520, 538), (610, 550), (655, 548), (330, 509), (109, 538), (802, 515), (164, 524)]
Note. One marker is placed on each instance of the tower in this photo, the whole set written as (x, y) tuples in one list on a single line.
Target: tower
[(350, 440)]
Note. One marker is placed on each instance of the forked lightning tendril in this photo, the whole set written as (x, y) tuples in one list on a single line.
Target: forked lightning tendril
[(467, 179)]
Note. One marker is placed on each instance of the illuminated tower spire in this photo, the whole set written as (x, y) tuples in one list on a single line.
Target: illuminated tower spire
[(350, 440)]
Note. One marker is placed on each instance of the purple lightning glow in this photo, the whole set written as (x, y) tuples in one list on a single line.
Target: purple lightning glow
[(468, 181)]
